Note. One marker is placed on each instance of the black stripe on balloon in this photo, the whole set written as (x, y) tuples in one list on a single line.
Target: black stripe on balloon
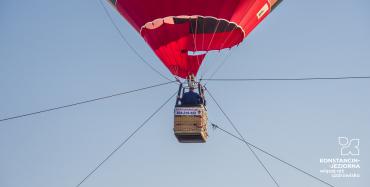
[(203, 25)]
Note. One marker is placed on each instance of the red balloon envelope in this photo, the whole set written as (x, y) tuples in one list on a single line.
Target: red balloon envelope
[(176, 29)]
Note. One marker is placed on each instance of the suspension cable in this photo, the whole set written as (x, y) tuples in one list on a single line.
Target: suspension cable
[(224, 60), (213, 34), (210, 43), (127, 42), (290, 79), (242, 137), (126, 140), (271, 155), (195, 39), (84, 102)]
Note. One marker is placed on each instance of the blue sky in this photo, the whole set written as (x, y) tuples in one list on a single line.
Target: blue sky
[(58, 52)]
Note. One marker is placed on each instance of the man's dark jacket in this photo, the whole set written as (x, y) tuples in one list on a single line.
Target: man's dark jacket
[(191, 98)]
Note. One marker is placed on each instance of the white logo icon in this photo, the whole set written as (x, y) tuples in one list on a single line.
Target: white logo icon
[(349, 147)]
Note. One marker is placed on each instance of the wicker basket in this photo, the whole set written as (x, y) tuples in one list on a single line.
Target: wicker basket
[(190, 124)]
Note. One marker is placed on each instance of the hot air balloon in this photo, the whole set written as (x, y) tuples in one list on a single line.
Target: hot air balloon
[(182, 32)]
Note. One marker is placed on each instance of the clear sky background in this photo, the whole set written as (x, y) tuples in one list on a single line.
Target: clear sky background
[(59, 52)]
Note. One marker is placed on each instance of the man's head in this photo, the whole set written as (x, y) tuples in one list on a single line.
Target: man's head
[(191, 89)]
